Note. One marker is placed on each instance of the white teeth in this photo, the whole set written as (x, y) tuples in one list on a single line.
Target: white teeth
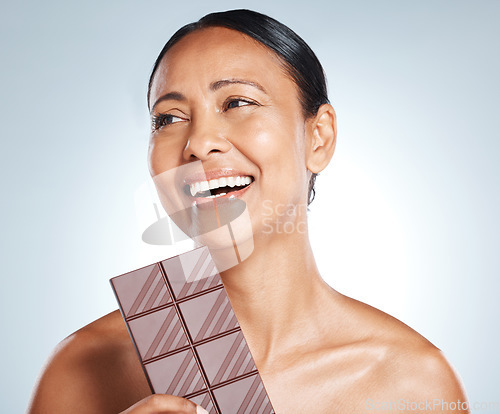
[(216, 195), (194, 188), (203, 186), (213, 184)]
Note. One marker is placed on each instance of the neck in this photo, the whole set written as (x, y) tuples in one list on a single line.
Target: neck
[(277, 294)]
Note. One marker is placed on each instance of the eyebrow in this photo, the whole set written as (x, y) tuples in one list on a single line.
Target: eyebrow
[(226, 82), (170, 96), (214, 86)]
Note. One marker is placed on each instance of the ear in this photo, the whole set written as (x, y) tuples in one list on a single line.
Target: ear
[(322, 134)]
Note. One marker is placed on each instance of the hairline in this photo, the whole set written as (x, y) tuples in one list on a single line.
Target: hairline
[(287, 68)]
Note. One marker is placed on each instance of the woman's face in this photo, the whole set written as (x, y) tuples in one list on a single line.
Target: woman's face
[(224, 100)]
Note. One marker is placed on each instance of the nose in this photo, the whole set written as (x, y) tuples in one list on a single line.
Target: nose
[(206, 137)]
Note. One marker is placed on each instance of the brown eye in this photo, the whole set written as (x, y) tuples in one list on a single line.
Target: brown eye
[(161, 120), (235, 103)]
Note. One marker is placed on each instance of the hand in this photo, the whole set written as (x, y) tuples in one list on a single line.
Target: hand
[(164, 404)]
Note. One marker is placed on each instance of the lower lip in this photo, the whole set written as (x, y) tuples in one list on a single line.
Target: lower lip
[(205, 203)]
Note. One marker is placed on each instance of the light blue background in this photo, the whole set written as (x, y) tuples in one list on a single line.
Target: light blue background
[(406, 215)]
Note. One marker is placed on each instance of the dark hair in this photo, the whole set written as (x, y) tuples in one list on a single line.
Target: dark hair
[(298, 59)]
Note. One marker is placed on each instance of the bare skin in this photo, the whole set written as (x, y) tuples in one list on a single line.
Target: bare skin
[(317, 350)]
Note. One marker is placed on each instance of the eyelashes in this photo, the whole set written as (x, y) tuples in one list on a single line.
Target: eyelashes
[(159, 121), (235, 103)]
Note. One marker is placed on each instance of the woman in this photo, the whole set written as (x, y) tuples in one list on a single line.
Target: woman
[(242, 95)]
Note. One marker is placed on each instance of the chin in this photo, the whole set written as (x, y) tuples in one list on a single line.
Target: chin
[(225, 230)]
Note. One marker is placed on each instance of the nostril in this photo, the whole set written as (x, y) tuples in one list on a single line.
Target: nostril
[(194, 157), (199, 147)]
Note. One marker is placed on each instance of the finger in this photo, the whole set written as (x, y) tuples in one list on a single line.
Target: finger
[(165, 404)]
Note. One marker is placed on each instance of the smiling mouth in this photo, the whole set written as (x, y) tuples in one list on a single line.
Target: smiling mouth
[(218, 187)]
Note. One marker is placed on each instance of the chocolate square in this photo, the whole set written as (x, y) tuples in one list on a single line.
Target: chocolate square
[(246, 396), (158, 333), (208, 315), (141, 290), (226, 358), (191, 273), (177, 374), (205, 401)]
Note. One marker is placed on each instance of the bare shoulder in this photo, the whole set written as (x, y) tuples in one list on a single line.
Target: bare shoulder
[(417, 379), (93, 370), (407, 368)]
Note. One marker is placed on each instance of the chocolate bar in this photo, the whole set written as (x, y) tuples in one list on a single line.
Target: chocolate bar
[(187, 336)]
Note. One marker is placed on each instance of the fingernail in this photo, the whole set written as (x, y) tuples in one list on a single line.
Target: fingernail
[(200, 410)]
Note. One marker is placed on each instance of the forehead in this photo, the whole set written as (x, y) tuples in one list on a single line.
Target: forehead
[(215, 53)]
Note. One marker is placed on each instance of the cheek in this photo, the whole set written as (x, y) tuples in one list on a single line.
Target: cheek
[(276, 146), (162, 156)]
